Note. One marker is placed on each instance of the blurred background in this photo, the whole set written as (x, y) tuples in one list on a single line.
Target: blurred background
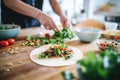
[(79, 10)]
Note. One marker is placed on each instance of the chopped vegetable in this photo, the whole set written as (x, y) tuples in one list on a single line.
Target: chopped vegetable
[(68, 57), (42, 55), (37, 41), (103, 45), (6, 27), (63, 34), (57, 51), (57, 38)]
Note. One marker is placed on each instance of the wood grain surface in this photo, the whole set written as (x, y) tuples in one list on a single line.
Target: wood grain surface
[(18, 66)]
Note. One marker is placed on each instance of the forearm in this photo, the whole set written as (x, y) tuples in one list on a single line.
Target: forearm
[(56, 7), (21, 7)]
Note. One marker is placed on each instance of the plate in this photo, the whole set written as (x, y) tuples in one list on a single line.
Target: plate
[(55, 62)]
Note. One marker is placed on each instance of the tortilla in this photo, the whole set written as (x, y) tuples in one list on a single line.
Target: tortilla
[(34, 56)]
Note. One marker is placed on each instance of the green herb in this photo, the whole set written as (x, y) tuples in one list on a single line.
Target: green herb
[(57, 38), (101, 66), (45, 41), (57, 51), (31, 43), (6, 27), (32, 38), (63, 45), (63, 34), (68, 57), (104, 66), (42, 55)]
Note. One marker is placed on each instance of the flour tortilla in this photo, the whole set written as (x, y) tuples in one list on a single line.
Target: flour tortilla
[(55, 62)]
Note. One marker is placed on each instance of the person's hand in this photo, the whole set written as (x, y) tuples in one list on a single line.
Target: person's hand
[(47, 22), (64, 21)]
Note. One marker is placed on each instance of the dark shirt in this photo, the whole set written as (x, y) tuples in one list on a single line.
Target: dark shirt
[(8, 16)]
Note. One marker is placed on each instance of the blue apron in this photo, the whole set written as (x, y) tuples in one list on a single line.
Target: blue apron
[(9, 16)]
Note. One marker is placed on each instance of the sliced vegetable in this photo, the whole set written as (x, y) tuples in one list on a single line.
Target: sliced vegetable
[(56, 51)]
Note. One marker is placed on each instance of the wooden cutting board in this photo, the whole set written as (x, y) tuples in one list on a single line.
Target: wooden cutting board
[(18, 66), (23, 68)]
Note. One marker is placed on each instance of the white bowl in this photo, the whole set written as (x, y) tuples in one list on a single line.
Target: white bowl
[(111, 25), (88, 34)]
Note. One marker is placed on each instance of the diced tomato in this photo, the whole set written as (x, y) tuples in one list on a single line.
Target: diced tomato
[(117, 38)]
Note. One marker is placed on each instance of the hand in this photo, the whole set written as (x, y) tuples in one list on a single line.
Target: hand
[(64, 21), (47, 22)]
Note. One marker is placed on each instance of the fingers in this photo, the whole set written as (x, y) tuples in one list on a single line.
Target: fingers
[(47, 22), (51, 25), (47, 27), (64, 22), (54, 27)]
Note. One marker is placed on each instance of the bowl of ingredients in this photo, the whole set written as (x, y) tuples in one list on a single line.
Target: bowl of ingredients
[(88, 34), (117, 37), (105, 44), (9, 31)]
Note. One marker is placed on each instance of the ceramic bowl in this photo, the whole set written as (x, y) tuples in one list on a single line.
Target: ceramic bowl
[(88, 34), (9, 31)]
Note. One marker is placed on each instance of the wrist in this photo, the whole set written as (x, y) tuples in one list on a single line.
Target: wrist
[(37, 14), (61, 15)]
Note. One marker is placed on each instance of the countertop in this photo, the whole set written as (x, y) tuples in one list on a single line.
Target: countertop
[(19, 66)]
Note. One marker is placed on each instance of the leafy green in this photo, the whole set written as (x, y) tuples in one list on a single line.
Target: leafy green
[(63, 45), (101, 66), (57, 51), (57, 38), (68, 57), (6, 27), (32, 38), (63, 34), (42, 55)]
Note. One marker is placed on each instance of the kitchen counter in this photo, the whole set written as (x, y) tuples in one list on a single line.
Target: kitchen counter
[(18, 66)]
